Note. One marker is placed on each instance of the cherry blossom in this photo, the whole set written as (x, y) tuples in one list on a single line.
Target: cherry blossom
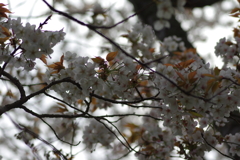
[(178, 99)]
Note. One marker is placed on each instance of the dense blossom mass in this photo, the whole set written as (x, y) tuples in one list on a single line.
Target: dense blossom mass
[(28, 43), (182, 97)]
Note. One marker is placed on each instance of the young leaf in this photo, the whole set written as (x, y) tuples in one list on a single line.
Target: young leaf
[(184, 64), (5, 31), (111, 56), (234, 10), (43, 58), (215, 86), (2, 40), (57, 66), (152, 50), (98, 60), (3, 10), (191, 77), (181, 76), (217, 71), (208, 75), (209, 84), (195, 114)]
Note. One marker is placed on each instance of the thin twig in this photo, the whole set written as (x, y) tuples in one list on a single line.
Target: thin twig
[(24, 129), (216, 148)]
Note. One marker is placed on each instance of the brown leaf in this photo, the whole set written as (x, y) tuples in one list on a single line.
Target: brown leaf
[(5, 31), (234, 10), (181, 76), (215, 86), (98, 60), (57, 66), (3, 11), (110, 56), (191, 77), (43, 58)]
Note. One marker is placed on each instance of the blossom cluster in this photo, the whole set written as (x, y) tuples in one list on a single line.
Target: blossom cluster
[(233, 141), (110, 78), (95, 133), (186, 96), (142, 39), (192, 94), (23, 44), (228, 50), (171, 44), (165, 10), (160, 141)]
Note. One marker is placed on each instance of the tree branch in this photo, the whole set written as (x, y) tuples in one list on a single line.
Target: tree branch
[(200, 3), (16, 82)]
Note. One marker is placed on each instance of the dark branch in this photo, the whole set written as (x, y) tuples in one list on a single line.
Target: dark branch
[(16, 82), (200, 3), (20, 102), (26, 130)]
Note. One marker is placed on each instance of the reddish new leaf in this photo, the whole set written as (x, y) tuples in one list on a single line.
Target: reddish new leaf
[(98, 60), (110, 56), (43, 58), (191, 77), (3, 11), (57, 66)]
